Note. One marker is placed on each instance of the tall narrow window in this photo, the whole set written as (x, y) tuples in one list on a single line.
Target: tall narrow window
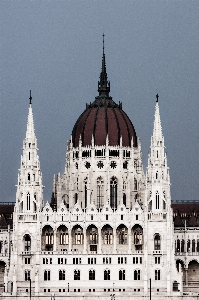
[(28, 176), (91, 274), (121, 274), (135, 184), (100, 192), (46, 275), (28, 201), (61, 274), (29, 155), (157, 244), (108, 236), (113, 193), (85, 192), (27, 275), (77, 275), (124, 199), (106, 274), (157, 274), (137, 275), (27, 242), (157, 201)]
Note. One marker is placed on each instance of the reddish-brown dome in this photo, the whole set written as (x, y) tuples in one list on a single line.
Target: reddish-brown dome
[(101, 118)]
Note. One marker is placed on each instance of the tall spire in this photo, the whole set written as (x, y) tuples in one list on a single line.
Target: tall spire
[(104, 83), (157, 129), (30, 189), (30, 132)]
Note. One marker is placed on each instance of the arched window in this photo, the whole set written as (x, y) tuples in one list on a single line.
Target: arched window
[(107, 274), (77, 275), (121, 274), (113, 192), (138, 234), (108, 236), (28, 201), (157, 244), (136, 274), (156, 175), (157, 202), (63, 236), (93, 236), (28, 176), (124, 199), (27, 242), (100, 192), (46, 275), (61, 274), (123, 236), (78, 236), (91, 274), (157, 274)]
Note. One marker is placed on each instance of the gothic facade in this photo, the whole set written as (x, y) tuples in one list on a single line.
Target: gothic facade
[(110, 229)]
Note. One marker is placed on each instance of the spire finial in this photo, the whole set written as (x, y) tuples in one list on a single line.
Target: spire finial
[(103, 84), (157, 96), (30, 98), (103, 42)]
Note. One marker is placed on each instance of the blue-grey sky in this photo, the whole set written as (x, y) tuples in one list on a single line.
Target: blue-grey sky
[(54, 48)]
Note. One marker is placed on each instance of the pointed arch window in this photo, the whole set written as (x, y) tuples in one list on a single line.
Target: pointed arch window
[(61, 274), (136, 274), (91, 274), (113, 192), (157, 201), (108, 236), (157, 243), (93, 236), (100, 192), (107, 274), (27, 242), (77, 275), (138, 236), (28, 201), (121, 274)]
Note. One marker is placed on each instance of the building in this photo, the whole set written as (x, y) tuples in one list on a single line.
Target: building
[(110, 230)]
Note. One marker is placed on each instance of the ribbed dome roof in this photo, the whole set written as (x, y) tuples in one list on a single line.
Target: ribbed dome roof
[(101, 118), (104, 118)]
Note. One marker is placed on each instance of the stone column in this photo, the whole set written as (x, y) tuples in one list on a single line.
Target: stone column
[(69, 241), (114, 240), (99, 241), (129, 239), (186, 276), (54, 240), (85, 241)]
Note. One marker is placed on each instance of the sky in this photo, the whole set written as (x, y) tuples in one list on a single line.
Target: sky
[(54, 49)]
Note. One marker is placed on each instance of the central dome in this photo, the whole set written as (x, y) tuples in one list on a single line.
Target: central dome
[(104, 118)]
